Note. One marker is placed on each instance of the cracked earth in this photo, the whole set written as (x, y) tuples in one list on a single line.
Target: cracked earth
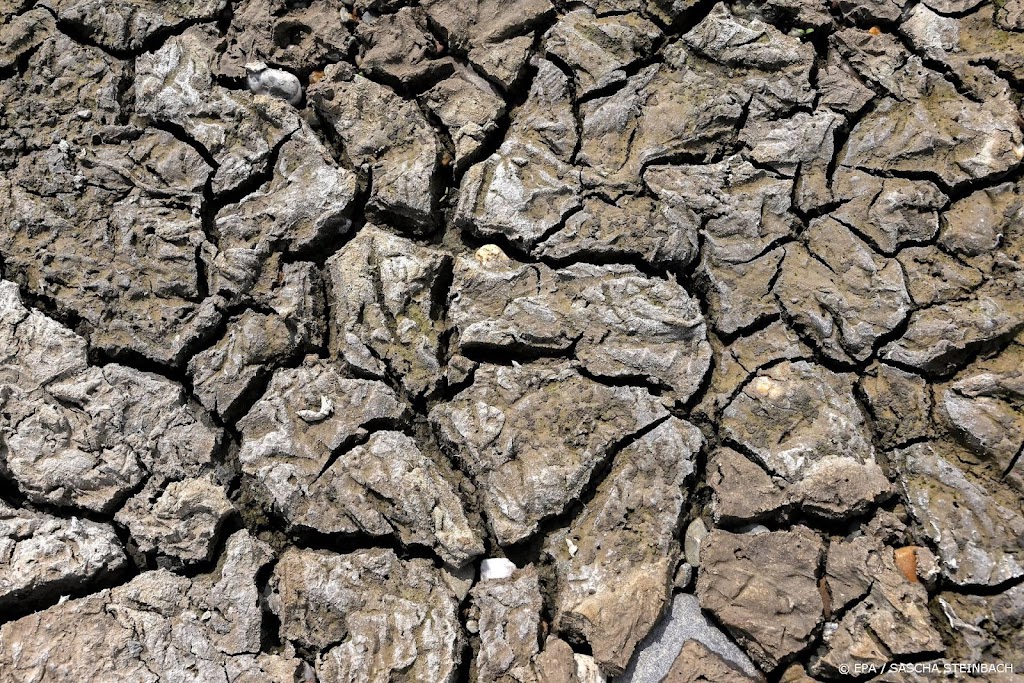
[(511, 341)]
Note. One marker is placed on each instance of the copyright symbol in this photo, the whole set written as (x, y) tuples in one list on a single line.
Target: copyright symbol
[(844, 669)]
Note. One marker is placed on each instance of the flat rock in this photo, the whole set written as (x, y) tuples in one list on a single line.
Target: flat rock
[(386, 295), (507, 613), (181, 522), (619, 323), (744, 491), (763, 589), (801, 422), (504, 63), (368, 614), (614, 563), (157, 627), (300, 38), (598, 49), (130, 26), (531, 437), (386, 136), (845, 296), (526, 189), (42, 556), (977, 533), (175, 85)]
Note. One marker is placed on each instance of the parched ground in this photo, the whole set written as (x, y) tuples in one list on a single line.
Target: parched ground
[(509, 341)]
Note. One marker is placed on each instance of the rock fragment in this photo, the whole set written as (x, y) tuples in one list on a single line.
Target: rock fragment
[(615, 566), (131, 26), (388, 137), (697, 663), (23, 33), (597, 49), (891, 618), (982, 407), (617, 322), (512, 429), (763, 589), (323, 448), (661, 234), (507, 612), (744, 491), (290, 35), (225, 375), (940, 133), (159, 626), (984, 628), (900, 404), (386, 295), (175, 85), (682, 627), (182, 522), (526, 189), (399, 48), (977, 533), (368, 614), (42, 556), (840, 292), (471, 110), (801, 422)]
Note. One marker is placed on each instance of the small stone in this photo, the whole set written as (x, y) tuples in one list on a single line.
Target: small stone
[(695, 534), (906, 562), (496, 568), (263, 80)]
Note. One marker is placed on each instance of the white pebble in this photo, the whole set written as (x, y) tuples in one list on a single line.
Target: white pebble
[(263, 80), (496, 568)]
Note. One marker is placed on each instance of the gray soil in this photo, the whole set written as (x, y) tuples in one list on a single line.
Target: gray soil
[(706, 320)]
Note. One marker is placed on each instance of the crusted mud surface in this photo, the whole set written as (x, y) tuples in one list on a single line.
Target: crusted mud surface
[(511, 341)]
